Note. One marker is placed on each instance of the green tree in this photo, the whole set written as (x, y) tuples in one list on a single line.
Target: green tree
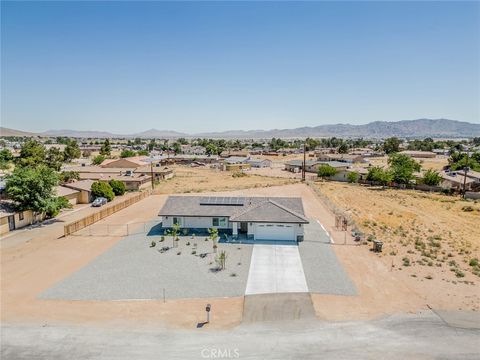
[(353, 177), (177, 148), (151, 145), (6, 157), (431, 177), (32, 153), (402, 168), (127, 153), (106, 148), (54, 158), (343, 149), (379, 175), (56, 204), (326, 170), (391, 145), (102, 189), (32, 188), (97, 160), (66, 177), (72, 151), (117, 186), (211, 149), (143, 152), (173, 232)]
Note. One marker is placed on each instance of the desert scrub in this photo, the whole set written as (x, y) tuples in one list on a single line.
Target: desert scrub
[(473, 262), (406, 261)]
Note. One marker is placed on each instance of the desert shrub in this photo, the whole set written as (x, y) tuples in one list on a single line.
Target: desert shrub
[(239, 174), (102, 189), (97, 160), (406, 261), (353, 177), (117, 186), (473, 262), (152, 244), (467, 208)]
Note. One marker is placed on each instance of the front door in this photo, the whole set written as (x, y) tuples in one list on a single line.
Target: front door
[(243, 227), (11, 222)]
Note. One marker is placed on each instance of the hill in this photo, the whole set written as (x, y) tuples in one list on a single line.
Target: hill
[(12, 132)]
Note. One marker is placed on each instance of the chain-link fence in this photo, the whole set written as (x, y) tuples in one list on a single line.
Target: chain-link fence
[(148, 227)]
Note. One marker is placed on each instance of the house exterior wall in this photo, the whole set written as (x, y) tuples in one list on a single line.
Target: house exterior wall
[(235, 167), (195, 222), (28, 219), (84, 197)]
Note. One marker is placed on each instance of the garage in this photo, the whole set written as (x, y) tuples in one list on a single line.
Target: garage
[(274, 231)]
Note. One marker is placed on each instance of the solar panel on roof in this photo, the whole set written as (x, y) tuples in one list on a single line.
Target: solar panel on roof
[(220, 200)]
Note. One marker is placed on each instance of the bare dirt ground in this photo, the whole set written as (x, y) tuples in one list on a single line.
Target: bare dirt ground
[(201, 179), (35, 264), (429, 240)]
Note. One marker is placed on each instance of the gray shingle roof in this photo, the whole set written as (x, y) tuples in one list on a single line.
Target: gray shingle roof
[(254, 209)]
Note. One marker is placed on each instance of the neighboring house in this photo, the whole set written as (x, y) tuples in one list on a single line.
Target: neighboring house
[(347, 158), (159, 172), (130, 162), (193, 150), (85, 189), (10, 219), (255, 218), (259, 163), (471, 174), (235, 153), (71, 195), (456, 180), (419, 154), (313, 165), (236, 163)]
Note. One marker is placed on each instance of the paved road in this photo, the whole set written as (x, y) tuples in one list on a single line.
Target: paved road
[(275, 269), (423, 336)]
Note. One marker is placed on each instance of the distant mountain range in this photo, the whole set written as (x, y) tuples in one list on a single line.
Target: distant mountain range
[(420, 128)]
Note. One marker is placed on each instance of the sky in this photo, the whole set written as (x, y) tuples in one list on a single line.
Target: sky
[(127, 67)]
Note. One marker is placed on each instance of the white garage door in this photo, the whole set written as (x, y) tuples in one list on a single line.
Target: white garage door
[(275, 232)]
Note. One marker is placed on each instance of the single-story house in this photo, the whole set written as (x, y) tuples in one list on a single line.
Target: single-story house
[(419, 154), (456, 180), (259, 163), (313, 165), (236, 153), (236, 163), (255, 218), (129, 162), (159, 172), (71, 195), (347, 158), (11, 219), (85, 189)]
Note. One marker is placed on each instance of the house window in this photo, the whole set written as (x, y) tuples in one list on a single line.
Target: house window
[(20, 215), (219, 222), (177, 220)]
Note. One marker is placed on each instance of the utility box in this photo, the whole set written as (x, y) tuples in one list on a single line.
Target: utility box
[(377, 246)]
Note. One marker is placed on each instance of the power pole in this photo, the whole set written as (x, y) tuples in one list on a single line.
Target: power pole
[(151, 174), (465, 169), (304, 159)]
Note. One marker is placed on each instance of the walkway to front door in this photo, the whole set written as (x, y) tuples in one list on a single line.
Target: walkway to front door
[(275, 269)]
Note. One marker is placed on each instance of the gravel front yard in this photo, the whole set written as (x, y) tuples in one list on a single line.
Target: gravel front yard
[(131, 269), (323, 271)]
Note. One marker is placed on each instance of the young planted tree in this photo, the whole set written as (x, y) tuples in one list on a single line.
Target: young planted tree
[(173, 232), (222, 259), (213, 236)]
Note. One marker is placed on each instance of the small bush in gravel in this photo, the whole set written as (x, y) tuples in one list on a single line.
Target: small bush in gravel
[(188, 243), (194, 252), (206, 239), (179, 253), (467, 208), (473, 262), (152, 244), (233, 274), (239, 263)]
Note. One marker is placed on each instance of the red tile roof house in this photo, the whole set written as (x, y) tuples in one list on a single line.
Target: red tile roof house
[(279, 219)]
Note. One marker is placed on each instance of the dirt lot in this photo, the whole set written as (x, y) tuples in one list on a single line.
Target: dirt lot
[(201, 179), (429, 239), (435, 163), (44, 258)]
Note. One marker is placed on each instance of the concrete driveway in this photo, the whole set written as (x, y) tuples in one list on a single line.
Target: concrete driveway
[(275, 269)]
